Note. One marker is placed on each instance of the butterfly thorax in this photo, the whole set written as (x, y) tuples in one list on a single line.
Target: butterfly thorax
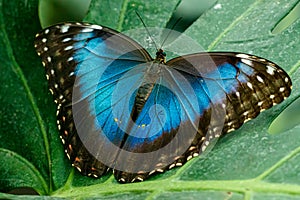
[(160, 56)]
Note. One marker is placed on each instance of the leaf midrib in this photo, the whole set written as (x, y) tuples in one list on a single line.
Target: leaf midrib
[(238, 186)]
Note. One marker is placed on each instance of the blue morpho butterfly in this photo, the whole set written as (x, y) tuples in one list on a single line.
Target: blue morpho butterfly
[(138, 115)]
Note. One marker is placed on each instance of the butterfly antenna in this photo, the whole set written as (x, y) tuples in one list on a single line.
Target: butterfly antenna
[(170, 30), (147, 30)]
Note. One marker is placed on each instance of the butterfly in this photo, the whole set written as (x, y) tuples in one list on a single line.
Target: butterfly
[(119, 109)]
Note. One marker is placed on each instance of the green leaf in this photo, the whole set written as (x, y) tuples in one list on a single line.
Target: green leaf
[(249, 163), (28, 133)]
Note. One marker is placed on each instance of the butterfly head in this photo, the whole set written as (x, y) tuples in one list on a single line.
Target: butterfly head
[(160, 56)]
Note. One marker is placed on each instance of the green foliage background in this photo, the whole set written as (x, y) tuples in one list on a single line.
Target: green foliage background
[(248, 164)]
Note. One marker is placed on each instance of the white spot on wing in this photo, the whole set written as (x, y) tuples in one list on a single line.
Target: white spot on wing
[(62, 140), (229, 123), (160, 170), (230, 130), (246, 120), (286, 79), (96, 27), (172, 166), (66, 151), (86, 30), (66, 39), (241, 55), (189, 157), (259, 79), (246, 113), (140, 178), (44, 40), (246, 61), (270, 70), (250, 85), (178, 164), (46, 31), (70, 59), (68, 48), (195, 154), (152, 172), (64, 28), (263, 109), (95, 175), (77, 168)]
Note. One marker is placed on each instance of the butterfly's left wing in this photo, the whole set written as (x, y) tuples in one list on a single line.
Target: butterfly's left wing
[(83, 64), (100, 80)]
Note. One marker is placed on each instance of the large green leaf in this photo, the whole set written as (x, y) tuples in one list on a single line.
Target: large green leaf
[(28, 130), (247, 164)]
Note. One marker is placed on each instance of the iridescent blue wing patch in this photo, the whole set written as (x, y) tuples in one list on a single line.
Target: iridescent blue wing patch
[(121, 100)]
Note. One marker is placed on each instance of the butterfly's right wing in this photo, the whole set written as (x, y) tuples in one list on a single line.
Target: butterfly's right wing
[(234, 86), (83, 63)]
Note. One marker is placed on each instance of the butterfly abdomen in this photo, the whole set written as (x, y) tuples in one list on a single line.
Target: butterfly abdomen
[(142, 95)]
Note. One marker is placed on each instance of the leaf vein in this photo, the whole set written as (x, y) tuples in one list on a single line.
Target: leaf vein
[(226, 30)]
